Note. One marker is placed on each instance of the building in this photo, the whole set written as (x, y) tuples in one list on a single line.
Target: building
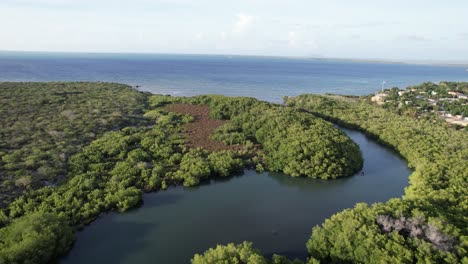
[(379, 98), (458, 94)]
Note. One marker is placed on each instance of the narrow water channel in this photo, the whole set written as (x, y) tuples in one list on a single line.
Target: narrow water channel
[(274, 211)]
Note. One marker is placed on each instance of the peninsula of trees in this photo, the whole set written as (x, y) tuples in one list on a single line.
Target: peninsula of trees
[(427, 225), (70, 151)]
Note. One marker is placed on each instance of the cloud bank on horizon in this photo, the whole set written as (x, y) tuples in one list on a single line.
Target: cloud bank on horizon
[(398, 30)]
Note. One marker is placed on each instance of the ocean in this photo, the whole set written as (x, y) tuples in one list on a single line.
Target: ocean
[(265, 78)]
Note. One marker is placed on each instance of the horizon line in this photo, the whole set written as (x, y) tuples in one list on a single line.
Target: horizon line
[(305, 57)]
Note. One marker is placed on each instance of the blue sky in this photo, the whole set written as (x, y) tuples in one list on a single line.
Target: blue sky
[(396, 30)]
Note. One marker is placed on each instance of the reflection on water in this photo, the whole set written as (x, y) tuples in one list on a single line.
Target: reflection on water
[(273, 210)]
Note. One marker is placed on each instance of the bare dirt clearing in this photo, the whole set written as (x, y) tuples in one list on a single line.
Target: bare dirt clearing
[(198, 132)]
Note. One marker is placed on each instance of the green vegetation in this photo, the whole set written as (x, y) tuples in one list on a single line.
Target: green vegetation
[(110, 143), (295, 143), (428, 225), (145, 151), (291, 141), (44, 124), (36, 238), (241, 253)]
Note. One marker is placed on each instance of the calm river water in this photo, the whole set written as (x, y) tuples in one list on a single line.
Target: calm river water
[(274, 211)]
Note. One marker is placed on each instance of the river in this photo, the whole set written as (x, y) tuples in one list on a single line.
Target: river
[(274, 211)]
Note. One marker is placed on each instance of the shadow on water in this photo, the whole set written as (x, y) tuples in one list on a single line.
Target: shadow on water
[(169, 198), (274, 211), (108, 234), (228, 178), (211, 181), (302, 183), (291, 254), (359, 136)]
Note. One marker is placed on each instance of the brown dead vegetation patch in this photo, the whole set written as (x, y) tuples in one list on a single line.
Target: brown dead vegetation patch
[(198, 132)]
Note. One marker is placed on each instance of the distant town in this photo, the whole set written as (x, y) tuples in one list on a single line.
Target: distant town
[(447, 100)]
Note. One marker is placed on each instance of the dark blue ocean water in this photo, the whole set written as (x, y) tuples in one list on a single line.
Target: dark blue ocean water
[(266, 78)]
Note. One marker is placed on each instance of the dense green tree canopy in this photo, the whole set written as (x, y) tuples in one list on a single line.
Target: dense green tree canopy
[(144, 149), (241, 254), (291, 141), (231, 254), (428, 225), (36, 238)]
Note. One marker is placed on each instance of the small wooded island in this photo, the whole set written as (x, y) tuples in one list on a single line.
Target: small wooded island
[(70, 151)]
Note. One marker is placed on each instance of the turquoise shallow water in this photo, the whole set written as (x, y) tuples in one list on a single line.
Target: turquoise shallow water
[(266, 78), (273, 210)]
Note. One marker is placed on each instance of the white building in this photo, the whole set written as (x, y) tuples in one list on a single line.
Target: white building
[(379, 98)]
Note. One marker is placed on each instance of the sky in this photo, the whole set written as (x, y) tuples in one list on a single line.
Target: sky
[(359, 29)]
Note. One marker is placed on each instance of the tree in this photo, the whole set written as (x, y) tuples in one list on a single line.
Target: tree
[(35, 238), (231, 254)]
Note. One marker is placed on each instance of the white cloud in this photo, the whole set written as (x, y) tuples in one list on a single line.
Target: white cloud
[(223, 35), (411, 37), (199, 36), (292, 39), (243, 23), (333, 28), (300, 42)]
